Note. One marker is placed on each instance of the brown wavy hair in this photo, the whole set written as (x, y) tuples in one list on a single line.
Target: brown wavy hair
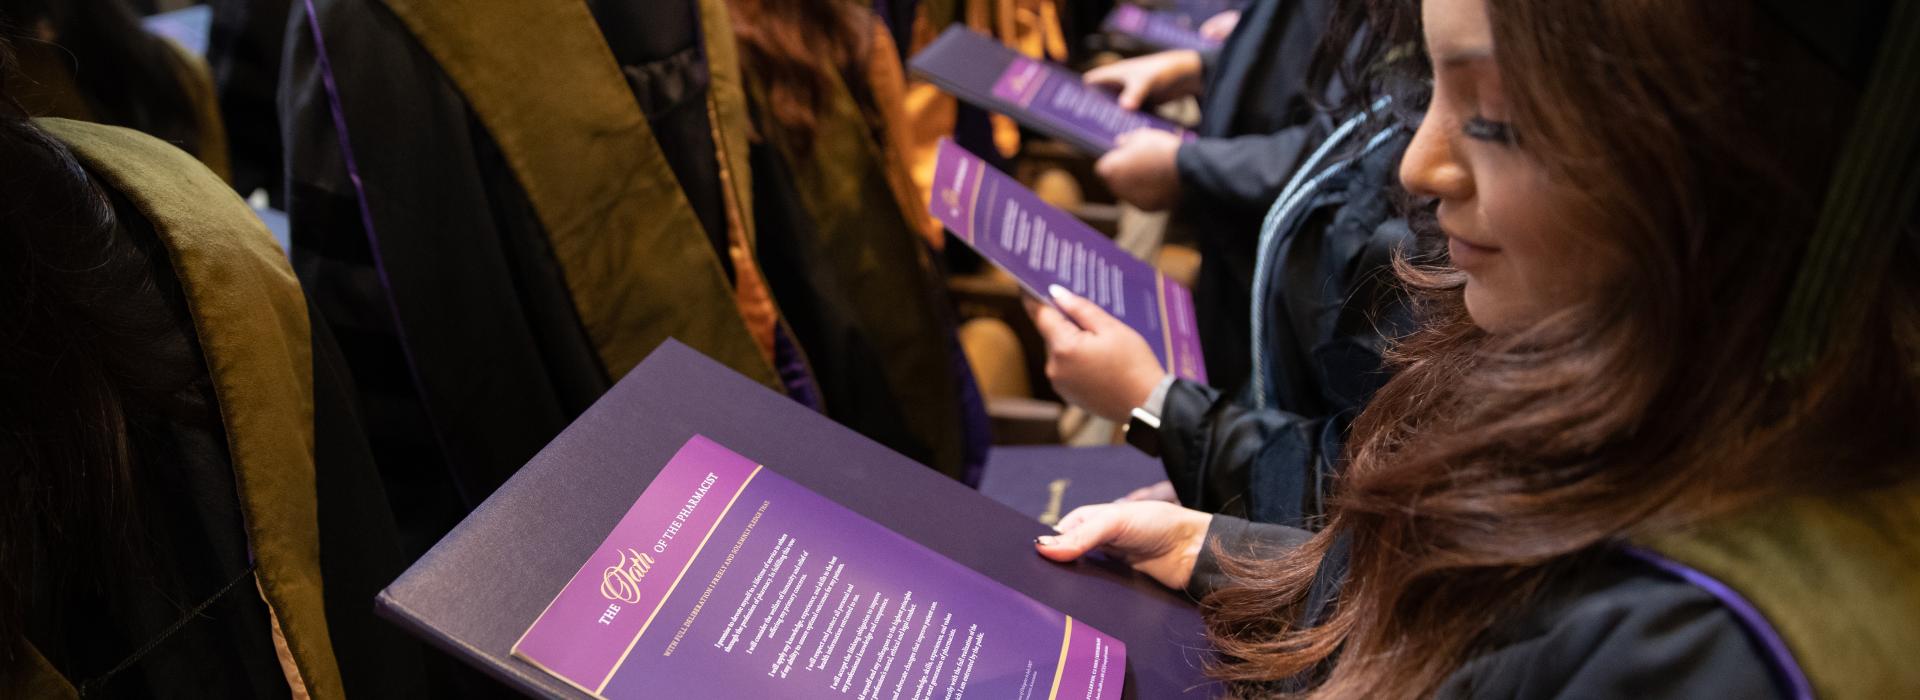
[(796, 49), (1697, 139)]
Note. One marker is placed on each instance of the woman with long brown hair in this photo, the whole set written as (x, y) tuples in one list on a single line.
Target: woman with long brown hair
[(1657, 434)]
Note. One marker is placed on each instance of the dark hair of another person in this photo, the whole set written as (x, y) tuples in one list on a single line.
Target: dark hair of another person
[(794, 46), (1698, 139), (129, 75), (77, 402)]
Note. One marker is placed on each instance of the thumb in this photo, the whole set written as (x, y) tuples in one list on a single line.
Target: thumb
[(1133, 92), (1081, 531), (1053, 327), (1085, 314)]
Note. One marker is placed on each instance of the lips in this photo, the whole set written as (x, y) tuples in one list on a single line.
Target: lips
[(1467, 254)]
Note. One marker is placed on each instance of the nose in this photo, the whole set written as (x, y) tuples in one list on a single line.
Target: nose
[(1430, 167)]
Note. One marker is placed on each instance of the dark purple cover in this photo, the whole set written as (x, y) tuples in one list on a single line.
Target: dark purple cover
[(1164, 30), (1040, 95), (1047, 482), (725, 578), (1042, 246), (477, 591)]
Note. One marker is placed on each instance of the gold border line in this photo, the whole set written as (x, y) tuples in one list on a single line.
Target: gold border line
[(1060, 669), (1166, 324), (676, 580), (973, 203)]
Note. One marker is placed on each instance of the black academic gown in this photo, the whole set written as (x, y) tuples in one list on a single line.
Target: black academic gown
[(1257, 123), (217, 521), (489, 360), (244, 46), (1332, 304), (1612, 626)]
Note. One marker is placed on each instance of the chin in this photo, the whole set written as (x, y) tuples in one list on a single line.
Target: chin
[(1487, 309)]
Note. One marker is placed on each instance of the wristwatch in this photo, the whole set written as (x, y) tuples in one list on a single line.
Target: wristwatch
[(1143, 431)]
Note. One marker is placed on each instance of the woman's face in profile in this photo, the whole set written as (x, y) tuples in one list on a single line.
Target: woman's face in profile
[(1509, 229)]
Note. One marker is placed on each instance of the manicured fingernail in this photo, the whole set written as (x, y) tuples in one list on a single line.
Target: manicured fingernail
[(1058, 292)]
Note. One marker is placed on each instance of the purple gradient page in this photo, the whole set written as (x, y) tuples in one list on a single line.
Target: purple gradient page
[(754, 586), (1041, 245), (1058, 96), (1162, 29)]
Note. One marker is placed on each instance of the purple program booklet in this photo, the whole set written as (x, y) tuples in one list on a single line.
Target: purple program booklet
[(1042, 246), (725, 579), (1164, 30), (1038, 94)]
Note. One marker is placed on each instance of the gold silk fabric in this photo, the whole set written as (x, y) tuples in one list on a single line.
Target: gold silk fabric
[(543, 81), (1837, 577), (251, 320)]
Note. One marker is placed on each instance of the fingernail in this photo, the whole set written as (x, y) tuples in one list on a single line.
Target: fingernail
[(1044, 540), (1058, 292)]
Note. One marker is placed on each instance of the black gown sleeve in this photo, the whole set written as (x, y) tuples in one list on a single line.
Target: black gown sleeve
[(1244, 173), (1234, 537), (1265, 465), (1621, 631)]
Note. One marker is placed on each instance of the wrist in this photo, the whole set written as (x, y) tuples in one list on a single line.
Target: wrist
[(1193, 539)]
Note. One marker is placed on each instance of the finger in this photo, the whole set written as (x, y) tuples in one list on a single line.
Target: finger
[(1083, 313), (1099, 526), (1150, 492), (1108, 166), (1108, 75), (1132, 94), (1032, 304), (1054, 328), (1074, 518)]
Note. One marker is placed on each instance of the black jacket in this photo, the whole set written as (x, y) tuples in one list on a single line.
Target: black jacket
[(1612, 626), (1257, 122), (1331, 305)]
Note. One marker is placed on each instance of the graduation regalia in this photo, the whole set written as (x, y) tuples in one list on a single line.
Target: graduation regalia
[(1795, 598), (1328, 304), (262, 523), (244, 45), (839, 232), (550, 190), (1257, 123), (47, 87)]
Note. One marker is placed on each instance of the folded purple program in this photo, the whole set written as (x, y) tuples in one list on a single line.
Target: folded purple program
[(1041, 246), (1040, 95), (1165, 30), (726, 579)]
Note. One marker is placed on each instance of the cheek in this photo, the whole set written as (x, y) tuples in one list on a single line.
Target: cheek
[(1547, 264)]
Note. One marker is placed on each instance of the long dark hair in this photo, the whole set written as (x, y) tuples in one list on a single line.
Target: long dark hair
[(795, 47), (129, 75), (1698, 139), (77, 388)]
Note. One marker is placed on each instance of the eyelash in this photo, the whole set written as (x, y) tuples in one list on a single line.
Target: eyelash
[(1483, 129)]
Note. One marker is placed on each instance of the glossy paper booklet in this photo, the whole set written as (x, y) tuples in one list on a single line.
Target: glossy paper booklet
[(1042, 246), (1038, 94), (1163, 30), (726, 579)]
